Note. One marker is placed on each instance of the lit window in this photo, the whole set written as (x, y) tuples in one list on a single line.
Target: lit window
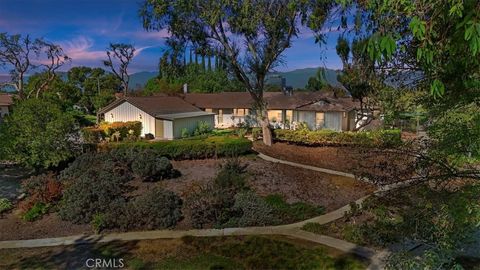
[(320, 119)]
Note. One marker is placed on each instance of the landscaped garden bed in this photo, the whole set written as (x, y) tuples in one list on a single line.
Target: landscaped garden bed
[(254, 252), (120, 190)]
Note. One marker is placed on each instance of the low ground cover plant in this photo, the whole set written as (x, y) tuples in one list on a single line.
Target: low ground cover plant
[(5, 205), (36, 211), (380, 138)]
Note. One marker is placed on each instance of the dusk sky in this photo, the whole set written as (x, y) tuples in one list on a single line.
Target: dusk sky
[(84, 28)]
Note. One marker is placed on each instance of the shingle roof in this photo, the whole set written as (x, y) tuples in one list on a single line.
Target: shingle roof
[(155, 105), (224, 100), (275, 100), (6, 100)]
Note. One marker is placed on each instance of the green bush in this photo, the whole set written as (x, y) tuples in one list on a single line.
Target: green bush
[(256, 133), (36, 212), (5, 205), (192, 148), (94, 191), (202, 128), (98, 222), (156, 209), (380, 138), (92, 134), (297, 211), (150, 167), (213, 204)]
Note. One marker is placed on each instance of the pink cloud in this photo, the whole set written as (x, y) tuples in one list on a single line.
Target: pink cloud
[(80, 48)]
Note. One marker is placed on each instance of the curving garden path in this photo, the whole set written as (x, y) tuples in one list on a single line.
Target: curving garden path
[(291, 230)]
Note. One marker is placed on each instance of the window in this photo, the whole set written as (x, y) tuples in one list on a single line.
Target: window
[(275, 115), (320, 120), (239, 112), (208, 110), (289, 116)]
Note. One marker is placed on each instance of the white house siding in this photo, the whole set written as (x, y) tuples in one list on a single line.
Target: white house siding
[(190, 124), (127, 112)]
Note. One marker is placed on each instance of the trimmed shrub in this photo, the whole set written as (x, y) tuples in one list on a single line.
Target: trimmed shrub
[(150, 167), (380, 138), (192, 148), (156, 209), (37, 211), (5, 205), (252, 211)]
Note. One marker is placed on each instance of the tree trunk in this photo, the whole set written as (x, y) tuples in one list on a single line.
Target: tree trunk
[(266, 132)]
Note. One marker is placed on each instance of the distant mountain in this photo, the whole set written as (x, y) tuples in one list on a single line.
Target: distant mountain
[(298, 78), (139, 79)]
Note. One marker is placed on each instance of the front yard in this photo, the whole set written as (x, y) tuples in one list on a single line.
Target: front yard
[(286, 184), (188, 253)]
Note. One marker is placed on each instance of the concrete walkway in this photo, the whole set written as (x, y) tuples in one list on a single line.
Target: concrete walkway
[(313, 168), (291, 230)]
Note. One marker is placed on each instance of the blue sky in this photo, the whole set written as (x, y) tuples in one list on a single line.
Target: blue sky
[(84, 28)]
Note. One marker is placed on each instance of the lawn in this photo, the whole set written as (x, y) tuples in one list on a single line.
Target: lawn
[(189, 253)]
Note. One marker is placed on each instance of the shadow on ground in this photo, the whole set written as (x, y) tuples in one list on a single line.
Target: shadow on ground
[(75, 256)]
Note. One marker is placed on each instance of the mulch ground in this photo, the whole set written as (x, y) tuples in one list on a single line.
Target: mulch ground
[(294, 184)]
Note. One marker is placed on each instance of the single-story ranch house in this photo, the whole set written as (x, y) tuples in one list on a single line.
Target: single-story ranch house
[(317, 109), (166, 116), (6, 102)]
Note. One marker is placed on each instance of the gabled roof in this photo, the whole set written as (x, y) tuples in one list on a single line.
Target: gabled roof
[(6, 99), (154, 106)]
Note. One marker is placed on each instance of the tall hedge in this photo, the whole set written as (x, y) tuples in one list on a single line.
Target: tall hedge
[(380, 138), (209, 147)]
